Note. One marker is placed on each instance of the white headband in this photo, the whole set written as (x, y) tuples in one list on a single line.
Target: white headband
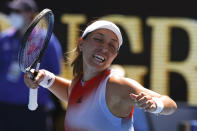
[(106, 25)]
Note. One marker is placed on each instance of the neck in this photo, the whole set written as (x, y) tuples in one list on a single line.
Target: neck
[(87, 75), (90, 72)]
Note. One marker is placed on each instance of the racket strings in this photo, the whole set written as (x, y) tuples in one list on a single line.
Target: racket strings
[(35, 42)]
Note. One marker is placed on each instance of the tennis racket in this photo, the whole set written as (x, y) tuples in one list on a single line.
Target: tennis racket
[(33, 46)]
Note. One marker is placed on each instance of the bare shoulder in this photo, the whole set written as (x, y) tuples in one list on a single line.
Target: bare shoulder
[(127, 84), (124, 84)]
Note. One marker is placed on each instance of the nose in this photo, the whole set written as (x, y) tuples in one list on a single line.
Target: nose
[(104, 47)]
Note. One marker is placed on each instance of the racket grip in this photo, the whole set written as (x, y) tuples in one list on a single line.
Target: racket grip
[(33, 94)]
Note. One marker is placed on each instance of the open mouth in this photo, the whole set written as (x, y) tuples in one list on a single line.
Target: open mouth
[(99, 58)]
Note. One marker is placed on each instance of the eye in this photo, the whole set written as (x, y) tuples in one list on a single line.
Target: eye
[(98, 39), (112, 46)]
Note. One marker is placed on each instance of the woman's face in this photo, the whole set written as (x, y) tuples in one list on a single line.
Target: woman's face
[(99, 49)]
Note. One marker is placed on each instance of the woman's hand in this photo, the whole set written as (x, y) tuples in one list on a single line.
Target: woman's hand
[(33, 83), (144, 101)]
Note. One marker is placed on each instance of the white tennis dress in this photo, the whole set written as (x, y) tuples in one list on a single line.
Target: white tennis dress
[(87, 109)]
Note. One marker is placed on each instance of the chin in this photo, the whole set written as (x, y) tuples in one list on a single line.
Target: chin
[(100, 67)]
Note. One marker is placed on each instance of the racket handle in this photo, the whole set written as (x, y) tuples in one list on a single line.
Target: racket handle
[(33, 94)]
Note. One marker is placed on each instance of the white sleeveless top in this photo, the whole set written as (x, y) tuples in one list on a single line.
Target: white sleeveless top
[(90, 112)]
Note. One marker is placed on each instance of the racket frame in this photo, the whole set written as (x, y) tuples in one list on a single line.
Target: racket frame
[(46, 41), (33, 92)]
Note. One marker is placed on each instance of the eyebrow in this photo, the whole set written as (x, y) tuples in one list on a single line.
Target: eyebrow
[(101, 34)]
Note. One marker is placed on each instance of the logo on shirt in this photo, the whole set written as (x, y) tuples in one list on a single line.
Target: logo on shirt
[(79, 100)]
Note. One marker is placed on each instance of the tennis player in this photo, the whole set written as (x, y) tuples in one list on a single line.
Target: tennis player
[(99, 100)]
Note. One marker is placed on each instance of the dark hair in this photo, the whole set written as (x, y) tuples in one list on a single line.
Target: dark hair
[(77, 63)]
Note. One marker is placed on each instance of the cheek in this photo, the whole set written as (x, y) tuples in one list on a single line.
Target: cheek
[(88, 48), (114, 56), (111, 58), (86, 51)]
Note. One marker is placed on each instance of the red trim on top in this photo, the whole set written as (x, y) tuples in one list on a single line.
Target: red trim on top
[(131, 114), (80, 93)]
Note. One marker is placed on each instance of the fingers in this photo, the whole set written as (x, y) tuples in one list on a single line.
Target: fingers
[(143, 101), (39, 77), (134, 99), (133, 96), (151, 108), (29, 82), (34, 83)]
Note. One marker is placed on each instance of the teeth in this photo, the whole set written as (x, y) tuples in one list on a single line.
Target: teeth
[(99, 57)]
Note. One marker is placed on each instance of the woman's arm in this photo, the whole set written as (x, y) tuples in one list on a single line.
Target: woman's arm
[(123, 93), (150, 100), (58, 86)]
